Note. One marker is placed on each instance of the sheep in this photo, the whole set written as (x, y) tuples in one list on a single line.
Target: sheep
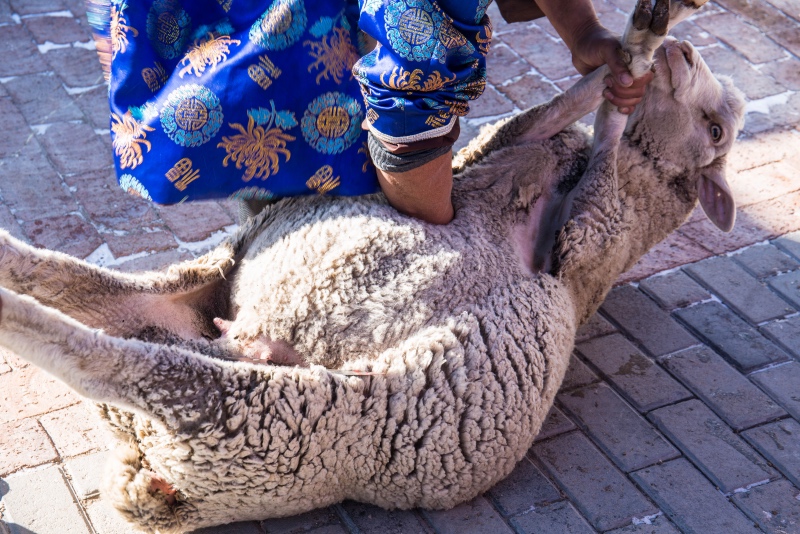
[(335, 349)]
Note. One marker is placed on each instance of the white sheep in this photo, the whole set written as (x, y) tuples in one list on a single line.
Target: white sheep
[(429, 355)]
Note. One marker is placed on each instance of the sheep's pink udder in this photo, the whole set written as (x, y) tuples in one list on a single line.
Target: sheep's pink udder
[(260, 349)]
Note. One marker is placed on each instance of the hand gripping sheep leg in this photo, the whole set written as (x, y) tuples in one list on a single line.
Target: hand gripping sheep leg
[(426, 356)]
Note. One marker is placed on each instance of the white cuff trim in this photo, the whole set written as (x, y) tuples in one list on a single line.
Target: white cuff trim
[(430, 134)]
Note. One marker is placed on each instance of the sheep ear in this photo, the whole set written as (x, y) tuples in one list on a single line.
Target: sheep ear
[(716, 198)]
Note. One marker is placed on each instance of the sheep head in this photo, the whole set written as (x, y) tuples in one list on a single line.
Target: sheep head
[(687, 124)]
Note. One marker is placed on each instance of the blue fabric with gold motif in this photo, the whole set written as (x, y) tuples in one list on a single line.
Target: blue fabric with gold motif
[(241, 98), (430, 62)]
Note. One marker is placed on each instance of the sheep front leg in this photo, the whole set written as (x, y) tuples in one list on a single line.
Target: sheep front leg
[(119, 303)]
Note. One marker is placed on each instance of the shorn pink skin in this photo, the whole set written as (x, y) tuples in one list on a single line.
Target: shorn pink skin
[(261, 349)]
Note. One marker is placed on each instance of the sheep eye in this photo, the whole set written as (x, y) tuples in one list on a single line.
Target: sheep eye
[(716, 132)]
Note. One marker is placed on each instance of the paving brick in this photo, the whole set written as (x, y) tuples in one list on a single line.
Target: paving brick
[(106, 520), (747, 231), (764, 183), (630, 441), (505, 63), (94, 104), (779, 442), (689, 500), (248, 527), (558, 518), (58, 30), (75, 148), (27, 515), (674, 251), (674, 290), (784, 114), (554, 424), (689, 31), (785, 333), (108, 205), (713, 447), (71, 234), (640, 381), (790, 243), (31, 7), (747, 350), (784, 73), (776, 216), (647, 323), (41, 99), (76, 66), (602, 494), (578, 374), (36, 189), (729, 394), (746, 78), (76, 430), (24, 444), (596, 326), (549, 57), (525, 488), (27, 391), (476, 516), (746, 39), (781, 383), (741, 291), (194, 221), (307, 522), (8, 222), (153, 239), (765, 260), (491, 103), (528, 91), (775, 507), (16, 42), (373, 520), (13, 135), (86, 473), (788, 285), (659, 525), (154, 262)]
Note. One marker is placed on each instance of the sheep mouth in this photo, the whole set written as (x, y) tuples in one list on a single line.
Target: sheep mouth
[(679, 58)]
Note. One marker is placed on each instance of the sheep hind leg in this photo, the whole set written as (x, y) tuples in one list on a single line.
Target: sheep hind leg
[(182, 300)]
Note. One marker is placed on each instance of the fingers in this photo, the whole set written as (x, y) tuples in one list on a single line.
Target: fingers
[(626, 98), (613, 58)]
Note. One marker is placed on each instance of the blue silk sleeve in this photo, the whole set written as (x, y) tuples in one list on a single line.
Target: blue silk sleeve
[(430, 61)]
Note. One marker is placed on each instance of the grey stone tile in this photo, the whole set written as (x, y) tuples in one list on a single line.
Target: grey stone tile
[(729, 394), (42, 100), (525, 488), (659, 525), (674, 290), (713, 447), (689, 500), (578, 374), (24, 504), (789, 243), (648, 324), (308, 522), (782, 383), (765, 260), (558, 518), (601, 492), (106, 520), (86, 473), (476, 516), (747, 349), (741, 291), (775, 507), (628, 439), (785, 333), (596, 326), (779, 443), (641, 382), (554, 424), (373, 520), (788, 285)]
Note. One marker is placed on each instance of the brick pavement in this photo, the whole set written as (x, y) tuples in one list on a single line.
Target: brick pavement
[(680, 409)]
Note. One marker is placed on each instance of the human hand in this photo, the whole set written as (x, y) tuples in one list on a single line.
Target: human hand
[(595, 46)]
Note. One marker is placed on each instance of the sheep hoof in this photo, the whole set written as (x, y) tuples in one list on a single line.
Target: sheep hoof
[(642, 15), (660, 23)]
